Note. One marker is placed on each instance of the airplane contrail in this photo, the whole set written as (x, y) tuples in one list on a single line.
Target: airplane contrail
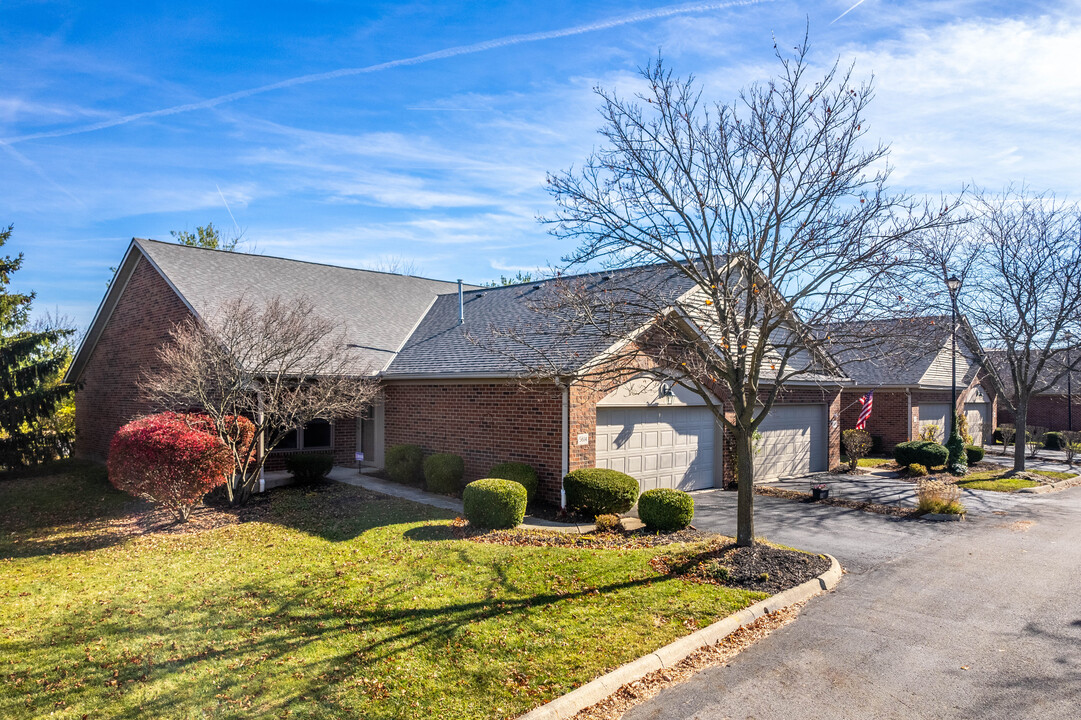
[(415, 60), (858, 3)]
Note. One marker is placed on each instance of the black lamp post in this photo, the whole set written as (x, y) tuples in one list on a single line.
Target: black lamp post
[(954, 284), (1069, 383)]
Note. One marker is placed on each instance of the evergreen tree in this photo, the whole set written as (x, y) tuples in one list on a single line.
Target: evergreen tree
[(31, 362)]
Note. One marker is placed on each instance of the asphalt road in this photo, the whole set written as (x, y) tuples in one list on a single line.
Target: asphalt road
[(980, 619)]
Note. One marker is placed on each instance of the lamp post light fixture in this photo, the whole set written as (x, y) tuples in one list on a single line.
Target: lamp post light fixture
[(1069, 382), (954, 284)]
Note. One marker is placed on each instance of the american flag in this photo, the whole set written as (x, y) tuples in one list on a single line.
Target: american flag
[(866, 401)]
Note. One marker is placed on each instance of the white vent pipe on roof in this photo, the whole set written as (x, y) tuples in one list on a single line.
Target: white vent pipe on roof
[(461, 303)]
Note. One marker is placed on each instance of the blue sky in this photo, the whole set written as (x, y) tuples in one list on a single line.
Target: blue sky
[(430, 149)]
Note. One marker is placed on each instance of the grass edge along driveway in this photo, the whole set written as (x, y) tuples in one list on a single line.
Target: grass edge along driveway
[(324, 604)]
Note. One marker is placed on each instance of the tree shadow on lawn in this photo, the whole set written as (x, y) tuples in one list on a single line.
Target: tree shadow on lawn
[(78, 511), (269, 656)]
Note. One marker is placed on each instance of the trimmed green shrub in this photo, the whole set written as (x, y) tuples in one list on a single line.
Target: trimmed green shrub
[(958, 462), (666, 510), (596, 491), (924, 452), (494, 503), (405, 464), (916, 470), (1053, 441), (308, 468), (443, 473), (520, 473), (857, 444), (975, 454), (607, 523)]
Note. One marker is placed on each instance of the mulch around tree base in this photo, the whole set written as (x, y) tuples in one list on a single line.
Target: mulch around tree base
[(761, 567), (877, 508)]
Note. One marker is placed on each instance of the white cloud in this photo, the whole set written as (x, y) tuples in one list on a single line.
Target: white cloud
[(984, 100)]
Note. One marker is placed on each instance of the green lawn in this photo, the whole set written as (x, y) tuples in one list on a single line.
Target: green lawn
[(337, 603), (868, 462), (995, 480)]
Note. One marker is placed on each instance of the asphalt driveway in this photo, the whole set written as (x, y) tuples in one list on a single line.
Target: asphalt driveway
[(859, 540), (980, 619)]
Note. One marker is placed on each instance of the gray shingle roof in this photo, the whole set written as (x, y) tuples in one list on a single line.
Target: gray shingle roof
[(892, 351), (378, 310), (504, 333)]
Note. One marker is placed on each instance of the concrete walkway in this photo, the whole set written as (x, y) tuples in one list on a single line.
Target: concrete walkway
[(350, 476), (978, 621)]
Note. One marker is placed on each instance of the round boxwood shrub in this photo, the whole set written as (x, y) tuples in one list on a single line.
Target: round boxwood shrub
[(443, 473), (494, 503), (924, 452), (917, 470), (308, 468), (975, 454), (665, 509), (405, 464), (598, 491), (520, 473), (1053, 441)]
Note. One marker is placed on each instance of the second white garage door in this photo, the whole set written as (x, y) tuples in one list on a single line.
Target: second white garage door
[(793, 442), (670, 447)]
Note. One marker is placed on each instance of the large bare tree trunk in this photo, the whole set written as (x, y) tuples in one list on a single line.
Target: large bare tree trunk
[(1021, 423), (745, 488)]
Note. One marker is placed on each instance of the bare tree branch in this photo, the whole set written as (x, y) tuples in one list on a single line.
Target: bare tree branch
[(750, 223), (278, 364)]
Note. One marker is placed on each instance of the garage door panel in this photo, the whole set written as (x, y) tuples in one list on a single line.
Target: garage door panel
[(793, 442), (660, 447), (936, 414), (976, 414)]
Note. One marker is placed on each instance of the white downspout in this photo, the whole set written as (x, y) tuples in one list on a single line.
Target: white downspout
[(908, 394), (566, 454)]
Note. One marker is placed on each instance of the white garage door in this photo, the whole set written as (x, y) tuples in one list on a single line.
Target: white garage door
[(976, 414), (669, 447), (793, 442), (937, 414)]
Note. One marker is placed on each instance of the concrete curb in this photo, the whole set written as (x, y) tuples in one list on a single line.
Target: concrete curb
[(1053, 487), (596, 690)]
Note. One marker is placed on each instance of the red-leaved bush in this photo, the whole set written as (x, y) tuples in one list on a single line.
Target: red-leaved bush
[(171, 458)]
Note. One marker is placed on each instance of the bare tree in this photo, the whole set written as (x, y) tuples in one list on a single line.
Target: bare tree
[(1019, 261), (276, 363), (747, 224)]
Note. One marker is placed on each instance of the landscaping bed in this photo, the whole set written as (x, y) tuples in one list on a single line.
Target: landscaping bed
[(322, 602), (762, 567)]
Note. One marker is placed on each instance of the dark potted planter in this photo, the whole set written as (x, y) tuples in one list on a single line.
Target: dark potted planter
[(820, 492)]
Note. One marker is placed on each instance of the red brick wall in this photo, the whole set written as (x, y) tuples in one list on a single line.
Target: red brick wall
[(148, 308), (1047, 411), (889, 415), (485, 423)]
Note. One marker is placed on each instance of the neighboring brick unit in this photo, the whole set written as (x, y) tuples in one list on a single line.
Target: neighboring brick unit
[(140, 324), (1047, 411), (486, 423), (895, 420)]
